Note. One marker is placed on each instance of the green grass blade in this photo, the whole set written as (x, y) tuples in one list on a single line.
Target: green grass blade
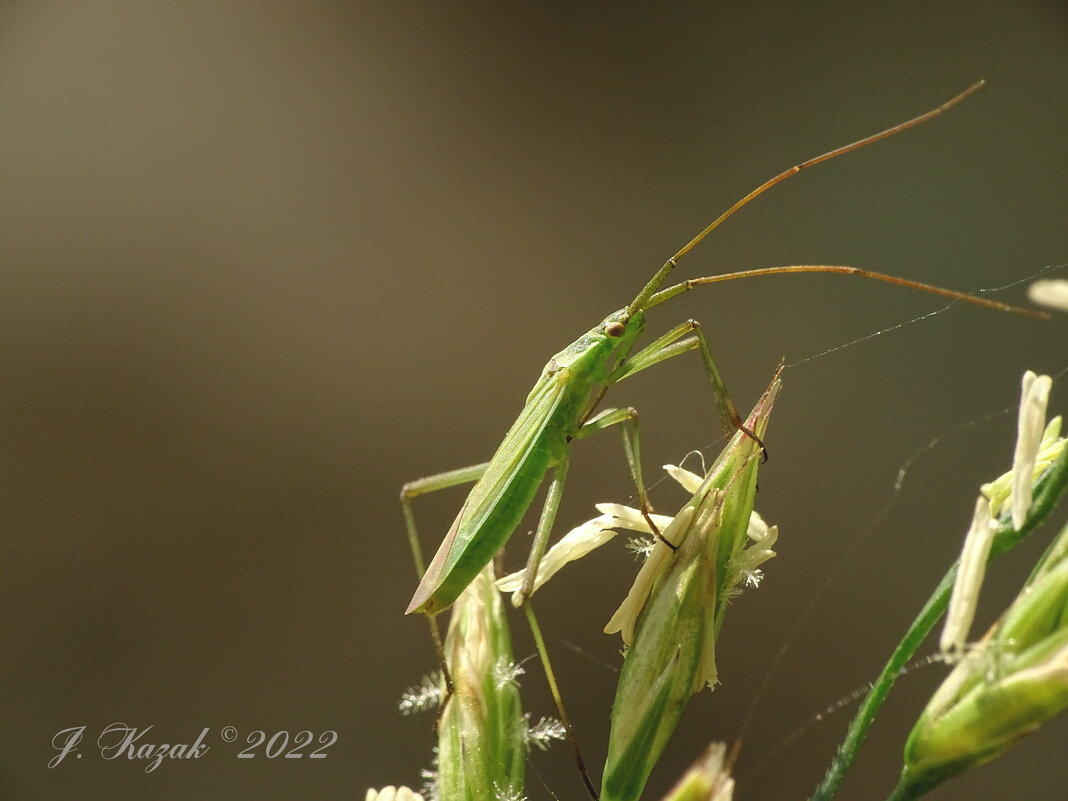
[(1047, 494)]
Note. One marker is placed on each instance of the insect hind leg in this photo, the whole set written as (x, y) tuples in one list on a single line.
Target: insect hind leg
[(422, 486)]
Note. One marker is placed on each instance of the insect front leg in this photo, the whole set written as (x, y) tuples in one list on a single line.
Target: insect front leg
[(684, 337)]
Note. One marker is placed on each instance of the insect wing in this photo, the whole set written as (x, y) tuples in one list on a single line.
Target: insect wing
[(496, 504)]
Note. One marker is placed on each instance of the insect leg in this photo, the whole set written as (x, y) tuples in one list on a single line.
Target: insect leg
[(541, 537), (521, 598), (421, 486), (539, 642), (632, 446), (684, 337)]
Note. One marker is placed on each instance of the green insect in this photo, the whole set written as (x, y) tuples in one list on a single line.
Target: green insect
[(562, 405)]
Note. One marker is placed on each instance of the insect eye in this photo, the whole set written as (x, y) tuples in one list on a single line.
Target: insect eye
[(615, 329)]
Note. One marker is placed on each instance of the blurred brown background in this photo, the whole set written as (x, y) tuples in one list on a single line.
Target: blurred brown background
[(263, 262)]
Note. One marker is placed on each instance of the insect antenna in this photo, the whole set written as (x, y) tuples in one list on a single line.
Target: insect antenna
[(841, 269), (649, 291)]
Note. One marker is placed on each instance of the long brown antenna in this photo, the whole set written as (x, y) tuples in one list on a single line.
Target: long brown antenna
[(678, 289), (661, 275)]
